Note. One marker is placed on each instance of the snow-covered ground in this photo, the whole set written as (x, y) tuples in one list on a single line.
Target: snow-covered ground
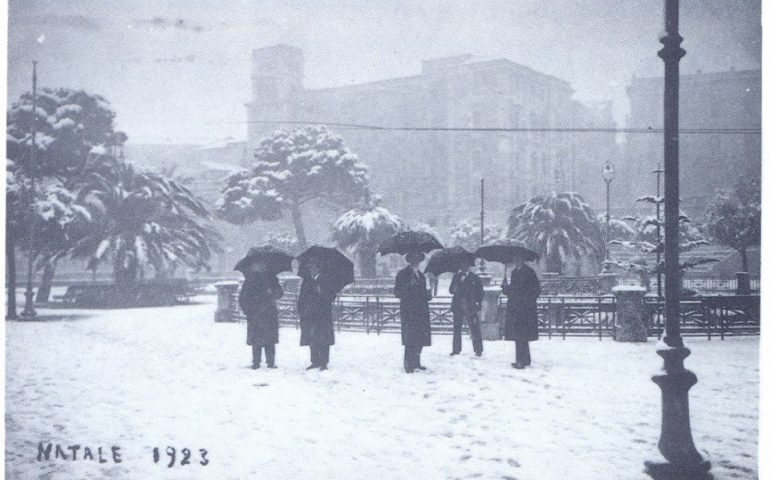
[(171, 376)]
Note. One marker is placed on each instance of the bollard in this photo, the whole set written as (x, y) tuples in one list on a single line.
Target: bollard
[(491, 316), (630, 324), (607, 282), (226, 302)]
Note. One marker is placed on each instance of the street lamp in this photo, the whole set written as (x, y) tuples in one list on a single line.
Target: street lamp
[(29, 295), (607, 174), (681, 458)]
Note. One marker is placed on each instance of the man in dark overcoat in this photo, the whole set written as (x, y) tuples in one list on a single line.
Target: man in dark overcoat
[(467, 294), (412, 290), (314, 306), (521, 320), (257, 299)]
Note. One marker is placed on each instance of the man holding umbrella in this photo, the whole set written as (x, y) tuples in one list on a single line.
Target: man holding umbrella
[(324, 272), (258, 297), (411, 289), (522, 291), (467, 294)]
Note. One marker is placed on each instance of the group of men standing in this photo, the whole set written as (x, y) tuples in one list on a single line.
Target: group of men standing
[(261, 290), (522, 290)]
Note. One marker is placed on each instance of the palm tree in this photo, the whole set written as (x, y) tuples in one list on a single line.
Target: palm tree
[(144, 219), (557, 225), (362, 230)]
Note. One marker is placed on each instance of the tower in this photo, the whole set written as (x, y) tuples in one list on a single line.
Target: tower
[(276, 81)]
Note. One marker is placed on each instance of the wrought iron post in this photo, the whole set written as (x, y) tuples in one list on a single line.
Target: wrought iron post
[(657, 173), (29, 312), (482, 266), (607, 174), (681, 458)]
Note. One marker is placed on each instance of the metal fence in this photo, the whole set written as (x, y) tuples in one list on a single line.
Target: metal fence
[(722, 315), (558, 316)]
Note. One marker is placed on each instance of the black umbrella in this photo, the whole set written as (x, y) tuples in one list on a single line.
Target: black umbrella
[(449, 260), (504, 249), (409, 242), (335, 266), (276, 260)]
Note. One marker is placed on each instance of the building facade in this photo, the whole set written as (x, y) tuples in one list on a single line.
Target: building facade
[(434, 176), (708, 161)]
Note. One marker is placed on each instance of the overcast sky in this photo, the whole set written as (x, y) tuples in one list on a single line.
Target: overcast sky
[(177, 71)]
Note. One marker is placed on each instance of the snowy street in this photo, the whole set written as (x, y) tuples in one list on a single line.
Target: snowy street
[(159, 377)]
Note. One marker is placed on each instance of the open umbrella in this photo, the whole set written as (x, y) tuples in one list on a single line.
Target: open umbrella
[(504, 249), (335, 266), (276, 260), (409, 242), (449, 260)]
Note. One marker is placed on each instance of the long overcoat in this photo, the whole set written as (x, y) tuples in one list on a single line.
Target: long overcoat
[(257, 300), (411, 289), (522, 292), (314, 306)]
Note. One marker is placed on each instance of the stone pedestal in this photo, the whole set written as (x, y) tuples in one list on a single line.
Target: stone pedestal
[(491, 318), (744, 286), (630, 325), (226, 302), (607, 281)]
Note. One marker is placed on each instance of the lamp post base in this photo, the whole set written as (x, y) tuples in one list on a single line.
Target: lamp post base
[(29, 312), (663, 470), (682, 461)]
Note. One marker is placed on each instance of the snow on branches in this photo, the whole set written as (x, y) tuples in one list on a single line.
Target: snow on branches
[(290, 169)]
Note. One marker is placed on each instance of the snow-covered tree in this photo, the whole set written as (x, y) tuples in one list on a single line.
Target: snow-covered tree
[(54, 215), (291, 169), (73, 128), (467, 234), (558, 225), (644, 241), (283, 241), (145, 219), (362, 230), (74, 133), (735, 218)]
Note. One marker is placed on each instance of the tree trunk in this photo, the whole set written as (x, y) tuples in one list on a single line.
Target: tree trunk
[(553, 262), (744, 260), (299, 228), (49, 270), (10, 261), (125, 276), (367, 263)]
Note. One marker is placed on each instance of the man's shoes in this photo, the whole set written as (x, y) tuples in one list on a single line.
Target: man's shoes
[(421, 367), (478, 354), (254, 366), (454, 353), (323, 367), (312, 366), (409, 370), (272, 366), (518, 366)]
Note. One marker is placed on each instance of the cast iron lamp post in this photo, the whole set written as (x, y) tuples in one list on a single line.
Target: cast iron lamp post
[(607, 174), (29, 312), (681, 459)]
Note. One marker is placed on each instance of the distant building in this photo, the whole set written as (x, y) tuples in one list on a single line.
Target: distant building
[(434, 176), (708, 161)]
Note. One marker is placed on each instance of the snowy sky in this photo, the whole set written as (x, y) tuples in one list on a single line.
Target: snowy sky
[(177, 71)]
